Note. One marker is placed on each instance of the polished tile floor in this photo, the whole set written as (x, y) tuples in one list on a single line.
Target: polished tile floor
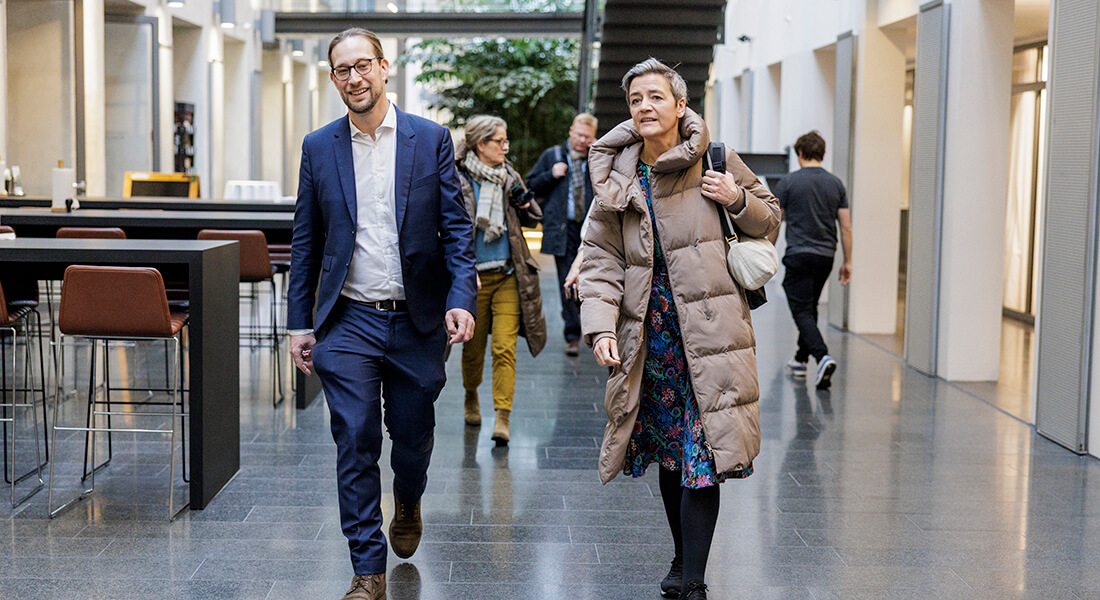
[(890, 486)]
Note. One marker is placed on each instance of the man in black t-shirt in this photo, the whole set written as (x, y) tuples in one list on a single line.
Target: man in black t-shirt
[(813, 202)]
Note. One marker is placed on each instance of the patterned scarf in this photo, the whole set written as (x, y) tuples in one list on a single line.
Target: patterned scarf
[(490, 199), (576, 180)]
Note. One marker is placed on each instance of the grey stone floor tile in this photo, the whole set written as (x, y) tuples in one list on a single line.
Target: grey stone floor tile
[(135, 589)]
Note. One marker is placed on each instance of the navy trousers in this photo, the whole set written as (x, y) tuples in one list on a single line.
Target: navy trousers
[(362, 356), (570, 308), (806, 276)]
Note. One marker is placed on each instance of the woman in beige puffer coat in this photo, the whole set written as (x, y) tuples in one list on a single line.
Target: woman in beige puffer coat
[(660, 308)]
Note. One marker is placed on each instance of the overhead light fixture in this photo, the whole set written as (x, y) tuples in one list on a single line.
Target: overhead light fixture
[(596, 44), (297, 48), (392, 7), (175, 3), (229, 13)]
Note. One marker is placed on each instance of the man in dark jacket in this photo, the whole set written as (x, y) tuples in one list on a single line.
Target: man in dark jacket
[(560, 181)]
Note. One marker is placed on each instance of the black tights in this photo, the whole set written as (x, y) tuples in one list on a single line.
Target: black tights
[(692, 515)]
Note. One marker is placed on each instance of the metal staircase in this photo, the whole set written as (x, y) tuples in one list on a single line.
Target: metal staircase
[(681, 33)]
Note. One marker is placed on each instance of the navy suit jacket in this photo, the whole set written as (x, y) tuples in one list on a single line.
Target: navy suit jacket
[(435, 233)]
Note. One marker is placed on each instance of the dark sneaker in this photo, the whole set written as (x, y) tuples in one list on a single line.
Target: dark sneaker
[(406, 528), (367, 587), (825, 369), (694, 591), (671, 584), (572, 348)]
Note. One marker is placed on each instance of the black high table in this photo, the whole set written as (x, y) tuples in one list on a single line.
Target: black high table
[(212, 270), (165, 224), (157, 203), (148, 224)]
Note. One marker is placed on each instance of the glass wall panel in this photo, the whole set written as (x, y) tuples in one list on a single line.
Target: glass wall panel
[(1025, 186), (1018, 219)]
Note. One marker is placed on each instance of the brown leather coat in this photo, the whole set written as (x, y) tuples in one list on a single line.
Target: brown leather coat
[(616, 276), (532, 322)]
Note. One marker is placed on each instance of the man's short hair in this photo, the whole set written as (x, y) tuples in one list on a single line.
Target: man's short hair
[(586, 119), (810, 146), (356, 32), (651, 66)]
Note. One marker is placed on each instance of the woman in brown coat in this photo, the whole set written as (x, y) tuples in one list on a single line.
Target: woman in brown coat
[(660, 309), (509, 302)]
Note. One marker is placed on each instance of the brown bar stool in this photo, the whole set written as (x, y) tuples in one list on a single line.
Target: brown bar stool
[(13, 319), (85, 233), (94, 233), (120, 303), (256, 268)]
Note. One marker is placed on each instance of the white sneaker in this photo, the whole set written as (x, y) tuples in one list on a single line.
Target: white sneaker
[(796, 369), (825, 369)]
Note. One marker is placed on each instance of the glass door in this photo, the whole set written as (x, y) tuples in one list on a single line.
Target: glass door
[(1025, 185)]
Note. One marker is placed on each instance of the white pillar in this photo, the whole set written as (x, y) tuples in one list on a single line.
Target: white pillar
[(215, 182), (167, 92), (95, 99), (976, 155), (875, 189)]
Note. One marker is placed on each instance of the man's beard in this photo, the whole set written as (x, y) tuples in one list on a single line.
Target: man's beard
[(372, 101)]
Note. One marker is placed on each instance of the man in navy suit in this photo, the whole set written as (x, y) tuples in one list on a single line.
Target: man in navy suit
[(383, 241)]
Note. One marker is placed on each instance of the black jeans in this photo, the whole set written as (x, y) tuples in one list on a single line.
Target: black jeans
[(570, 308), (806, 277)]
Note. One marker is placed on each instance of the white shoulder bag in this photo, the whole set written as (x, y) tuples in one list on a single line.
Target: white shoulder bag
[(751, 261)]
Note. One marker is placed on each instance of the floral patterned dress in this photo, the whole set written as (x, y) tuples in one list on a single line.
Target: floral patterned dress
[(669, 428)]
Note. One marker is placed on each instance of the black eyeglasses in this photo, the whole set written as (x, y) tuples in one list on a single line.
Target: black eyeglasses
[(362, 67), (502, 141)]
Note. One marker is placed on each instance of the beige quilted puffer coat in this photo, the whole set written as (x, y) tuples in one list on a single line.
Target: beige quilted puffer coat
[(616, 276)]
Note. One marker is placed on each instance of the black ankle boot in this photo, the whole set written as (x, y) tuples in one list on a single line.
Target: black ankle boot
[(671, 584), (694, 591)]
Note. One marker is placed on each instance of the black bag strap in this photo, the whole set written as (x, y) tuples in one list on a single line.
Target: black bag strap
[(728, 231)]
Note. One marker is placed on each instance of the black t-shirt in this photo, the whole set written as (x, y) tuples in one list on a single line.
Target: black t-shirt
[(810, 198)]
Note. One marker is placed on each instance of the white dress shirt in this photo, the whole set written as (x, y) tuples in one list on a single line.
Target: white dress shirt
[(375, 269)]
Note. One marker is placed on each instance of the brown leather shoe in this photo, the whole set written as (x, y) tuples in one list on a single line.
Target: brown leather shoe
[(406, 528), (572, 348), (473, 410), (367, 587)]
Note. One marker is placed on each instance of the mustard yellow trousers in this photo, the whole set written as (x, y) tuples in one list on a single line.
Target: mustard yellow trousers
[(498, 315)]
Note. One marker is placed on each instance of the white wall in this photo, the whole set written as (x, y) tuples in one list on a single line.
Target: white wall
[(808, 98), (766, 102), (40, 76), (237, 148)]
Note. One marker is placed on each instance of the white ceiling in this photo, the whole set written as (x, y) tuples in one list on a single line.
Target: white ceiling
[(1032, 19)]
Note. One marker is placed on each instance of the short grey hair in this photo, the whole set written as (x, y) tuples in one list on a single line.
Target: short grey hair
[(651, 66), (481, 129)]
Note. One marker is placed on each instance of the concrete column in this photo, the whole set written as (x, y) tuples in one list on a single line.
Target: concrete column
[(272, 120), (976, 155), (95, 99), (875, 188), (167, 92), (214, 185)]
